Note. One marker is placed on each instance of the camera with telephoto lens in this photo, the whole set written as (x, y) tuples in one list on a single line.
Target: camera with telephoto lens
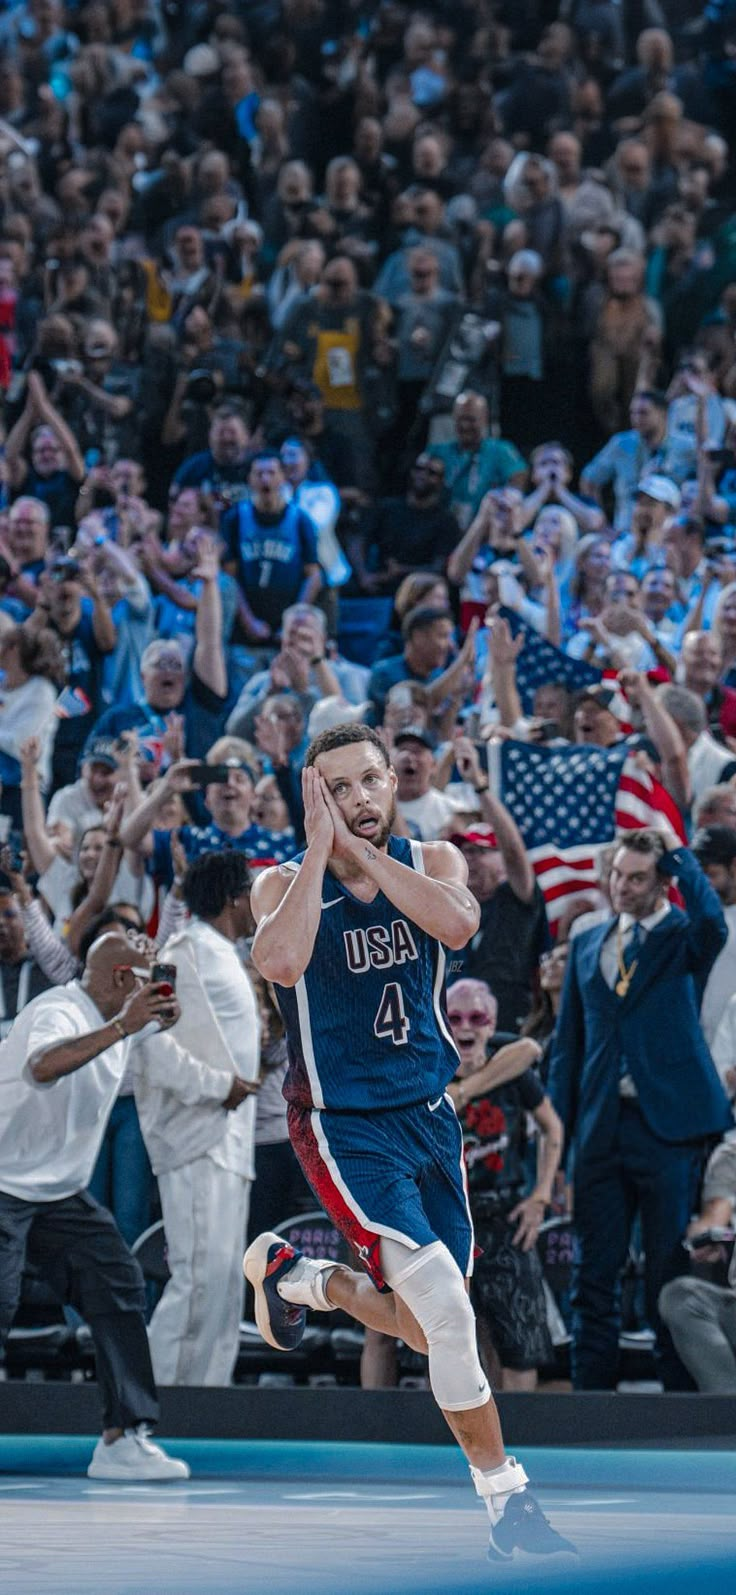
[(464, 354)]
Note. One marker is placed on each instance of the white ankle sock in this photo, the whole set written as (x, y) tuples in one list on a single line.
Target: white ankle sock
[(304, 1285), (495, 1485)]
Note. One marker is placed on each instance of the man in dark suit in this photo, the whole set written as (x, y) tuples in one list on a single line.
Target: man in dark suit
[(637, 1091)]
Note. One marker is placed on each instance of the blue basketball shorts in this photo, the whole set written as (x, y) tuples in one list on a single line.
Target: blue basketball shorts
[(396, 1172)]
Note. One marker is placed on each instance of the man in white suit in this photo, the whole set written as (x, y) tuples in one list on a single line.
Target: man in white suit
[(202, 1150)]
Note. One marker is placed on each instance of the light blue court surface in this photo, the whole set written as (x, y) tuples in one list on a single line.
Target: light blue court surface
[(275, 1518)]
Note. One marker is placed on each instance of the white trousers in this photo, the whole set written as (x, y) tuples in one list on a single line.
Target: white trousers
[(194, 1329)]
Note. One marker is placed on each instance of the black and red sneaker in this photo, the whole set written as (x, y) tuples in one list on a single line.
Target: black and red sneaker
[(267, 1261)]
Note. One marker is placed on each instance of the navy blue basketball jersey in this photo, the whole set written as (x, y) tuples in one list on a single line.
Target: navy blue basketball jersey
[(366, 1025)]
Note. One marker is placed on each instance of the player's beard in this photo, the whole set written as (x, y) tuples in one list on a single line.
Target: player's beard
[(381, 836)]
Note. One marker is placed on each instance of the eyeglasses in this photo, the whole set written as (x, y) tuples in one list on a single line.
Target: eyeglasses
[(167, 662), (477, 1018)]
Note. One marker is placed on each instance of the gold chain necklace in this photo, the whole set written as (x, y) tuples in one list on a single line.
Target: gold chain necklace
[(625, 975)]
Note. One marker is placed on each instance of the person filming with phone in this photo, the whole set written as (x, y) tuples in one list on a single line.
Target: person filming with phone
[(61, 1068), (227, 781)]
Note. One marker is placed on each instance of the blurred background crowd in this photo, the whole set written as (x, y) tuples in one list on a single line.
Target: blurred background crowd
[(373, 361)]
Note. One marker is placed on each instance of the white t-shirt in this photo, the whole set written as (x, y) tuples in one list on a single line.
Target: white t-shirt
[(75, 805), (28, 711), (271, 1121), (707, 759), (721, 983), (50, 1135), (430, 813)]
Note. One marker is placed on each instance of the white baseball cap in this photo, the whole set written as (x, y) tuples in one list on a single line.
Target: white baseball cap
[(661, 488)]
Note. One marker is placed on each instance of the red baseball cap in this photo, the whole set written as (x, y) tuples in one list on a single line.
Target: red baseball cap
[(480, 836)]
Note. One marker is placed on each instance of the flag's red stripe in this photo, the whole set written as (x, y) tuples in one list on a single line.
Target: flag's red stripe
[(569, 888), (558, 861)]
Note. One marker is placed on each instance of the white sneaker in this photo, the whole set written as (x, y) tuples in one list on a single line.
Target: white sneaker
[(135, 1457)]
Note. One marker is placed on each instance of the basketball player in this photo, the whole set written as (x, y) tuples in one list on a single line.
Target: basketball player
[(353, 934)]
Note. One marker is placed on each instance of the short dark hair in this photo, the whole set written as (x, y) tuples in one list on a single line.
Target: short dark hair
[(213, 880), (553, 443), (423, 616), (648, 843), (653, 396), (230, 409), (294, 442), (344, 736)]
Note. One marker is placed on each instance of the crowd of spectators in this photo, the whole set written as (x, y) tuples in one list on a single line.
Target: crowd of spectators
[(349, 349)]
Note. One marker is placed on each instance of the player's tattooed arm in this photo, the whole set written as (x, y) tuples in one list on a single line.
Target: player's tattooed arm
[(439, 900)]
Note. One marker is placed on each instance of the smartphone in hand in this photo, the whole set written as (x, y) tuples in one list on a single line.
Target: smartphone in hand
[(165, 975), (209, 774), (716, 1236)]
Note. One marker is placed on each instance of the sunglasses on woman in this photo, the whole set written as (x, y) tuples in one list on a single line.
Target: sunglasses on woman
[(476, 1018)]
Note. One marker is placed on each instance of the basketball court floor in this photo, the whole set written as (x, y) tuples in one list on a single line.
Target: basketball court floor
[(276, 1518)]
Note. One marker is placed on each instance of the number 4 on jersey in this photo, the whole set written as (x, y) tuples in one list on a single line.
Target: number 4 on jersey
[(391, 1017)]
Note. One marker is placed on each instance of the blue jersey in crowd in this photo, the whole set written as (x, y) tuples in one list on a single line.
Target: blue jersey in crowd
[(261, 846), (366, 1024), (270, 553)]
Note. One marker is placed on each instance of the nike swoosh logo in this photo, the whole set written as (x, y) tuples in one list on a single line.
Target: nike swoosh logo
[(433, 1106), (332, 902)]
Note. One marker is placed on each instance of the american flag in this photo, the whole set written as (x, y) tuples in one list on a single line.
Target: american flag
[(541, 662), (569, 803)]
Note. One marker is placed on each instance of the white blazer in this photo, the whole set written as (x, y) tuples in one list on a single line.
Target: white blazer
[(183, 1075)]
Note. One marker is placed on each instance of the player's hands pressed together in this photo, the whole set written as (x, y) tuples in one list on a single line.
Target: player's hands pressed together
[(325, 825)]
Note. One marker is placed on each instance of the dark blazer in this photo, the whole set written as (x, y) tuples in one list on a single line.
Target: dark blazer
[(654, 1029)]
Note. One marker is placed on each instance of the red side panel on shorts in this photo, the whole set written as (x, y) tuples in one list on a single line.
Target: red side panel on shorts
[(365, 1243)]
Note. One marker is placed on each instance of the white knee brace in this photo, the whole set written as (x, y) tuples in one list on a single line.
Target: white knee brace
[(430, 1283)]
